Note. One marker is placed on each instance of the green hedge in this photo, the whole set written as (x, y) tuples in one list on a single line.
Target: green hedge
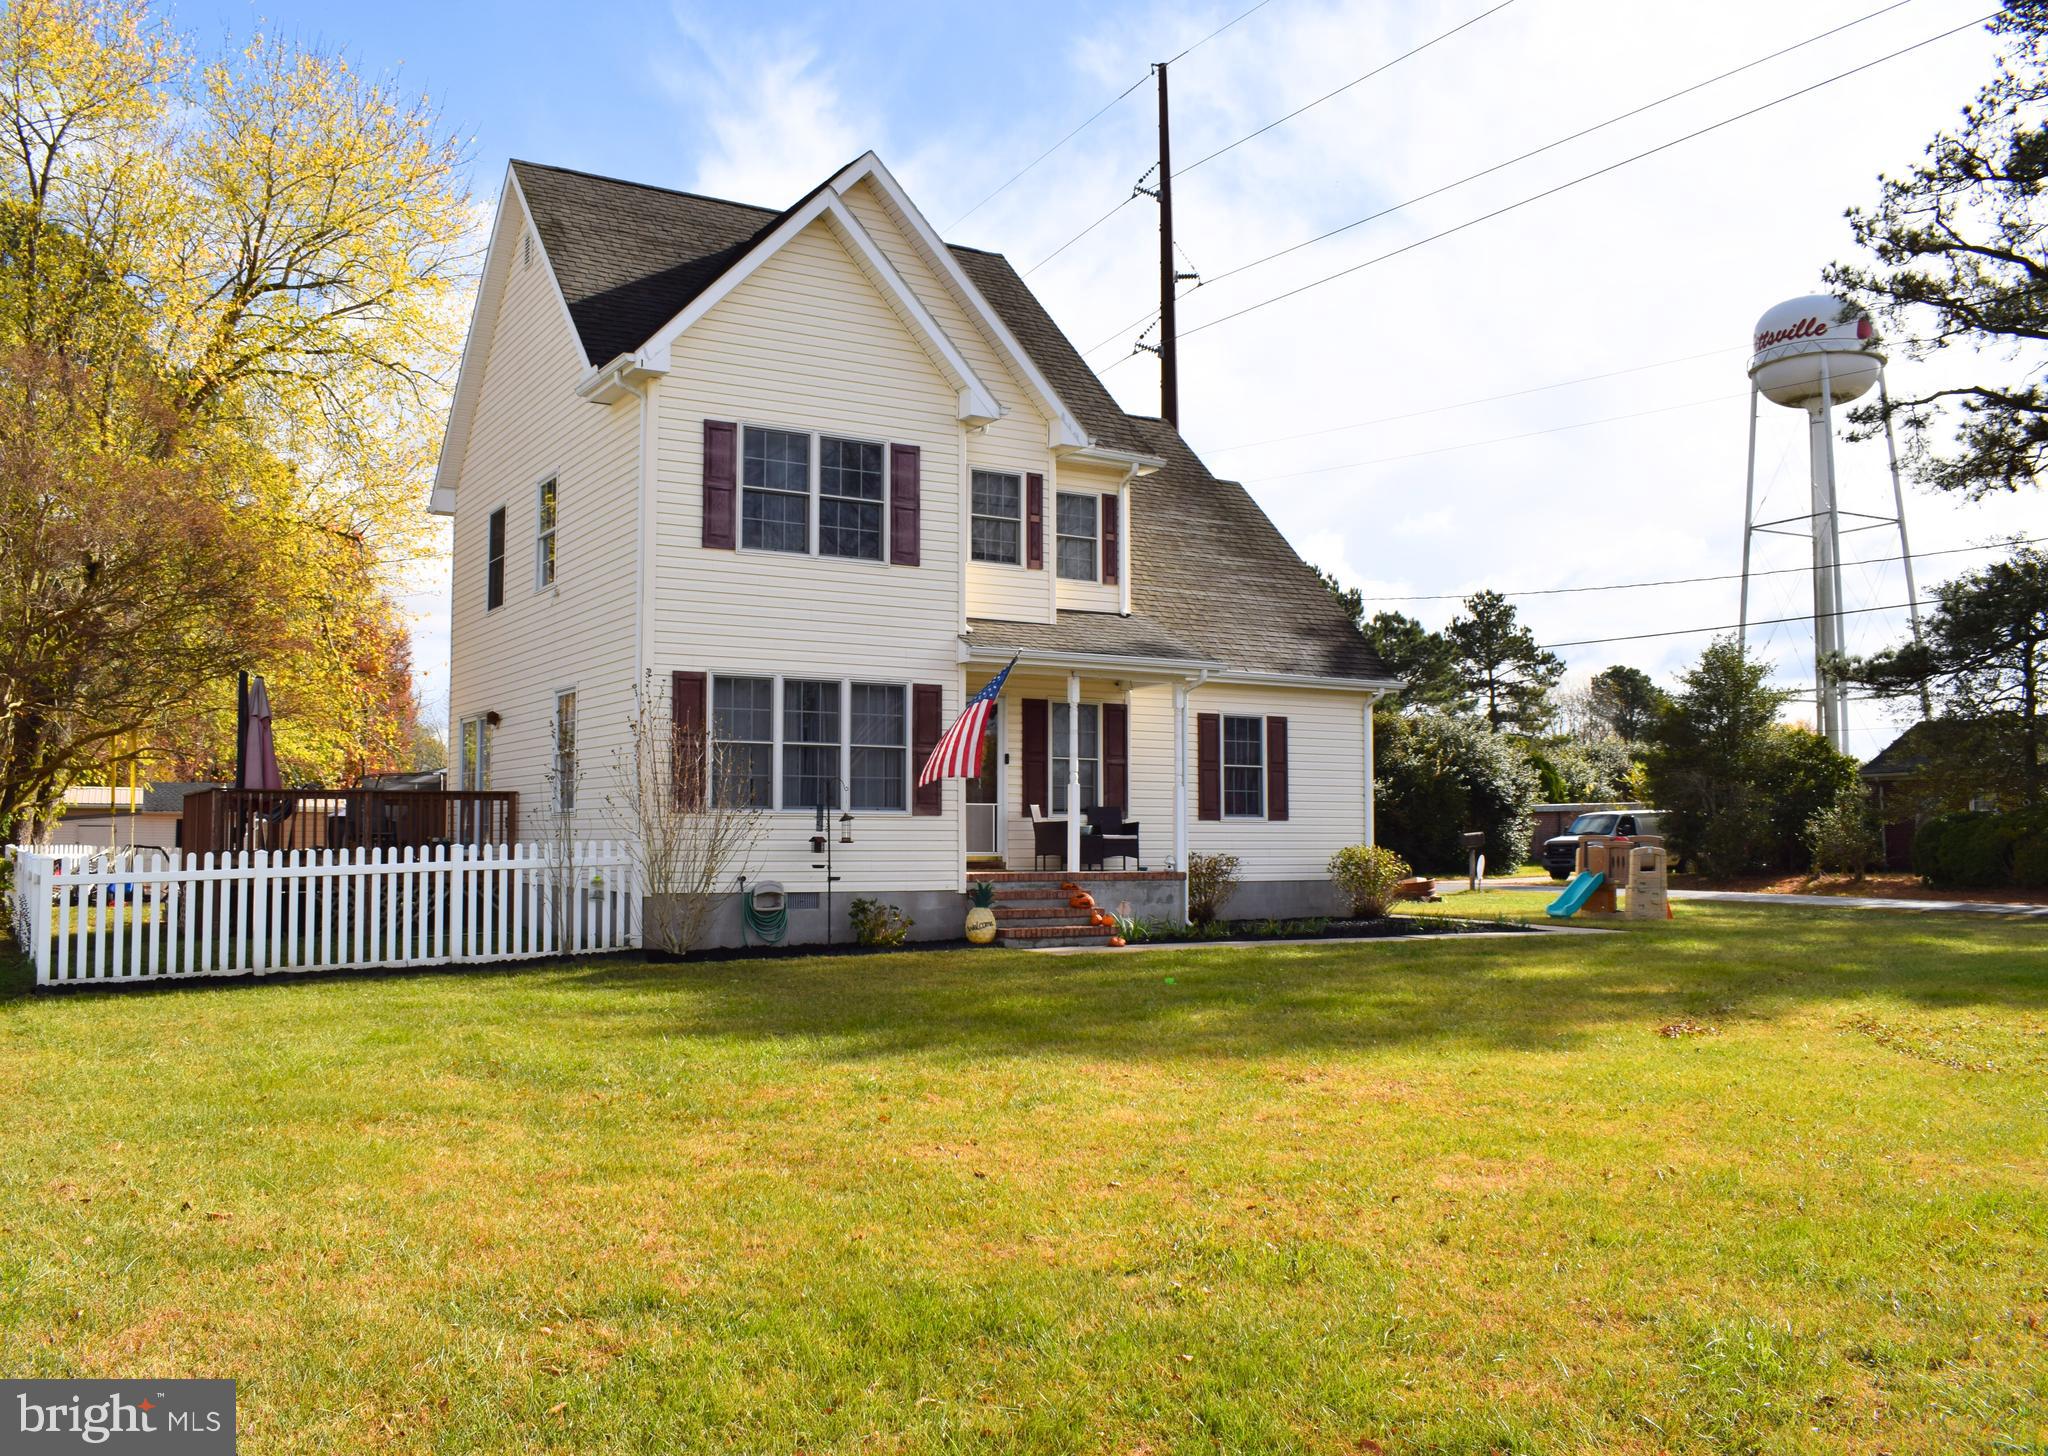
[(1983, 851)]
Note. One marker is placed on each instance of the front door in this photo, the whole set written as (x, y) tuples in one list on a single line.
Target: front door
[(985, 795)]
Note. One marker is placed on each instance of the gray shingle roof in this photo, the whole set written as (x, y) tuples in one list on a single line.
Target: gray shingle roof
[(1100, 634), (1214, 578)]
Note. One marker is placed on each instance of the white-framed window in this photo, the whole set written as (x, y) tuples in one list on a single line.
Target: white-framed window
[(494, 560), (851, 497), (565, 750), (743, 737), (997, 528), (810, 744), (775, 490), (546, 501), (1090, 752), (880, 737), (1244, 768), (473, 754), (1076, 522), (793, 742)]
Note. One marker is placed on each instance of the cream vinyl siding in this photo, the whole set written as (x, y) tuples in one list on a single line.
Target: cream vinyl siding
[(1325, 778), (807, 343), (577, 633), (1084, 596), (1016, 443)]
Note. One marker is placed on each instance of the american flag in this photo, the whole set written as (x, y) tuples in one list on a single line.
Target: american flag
[(958, 755)]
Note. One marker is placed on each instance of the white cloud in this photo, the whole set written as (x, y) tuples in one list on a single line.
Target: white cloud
[(769, 117)]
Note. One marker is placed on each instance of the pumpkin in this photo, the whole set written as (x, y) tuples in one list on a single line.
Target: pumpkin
[(1115, 941), (1081, 902)]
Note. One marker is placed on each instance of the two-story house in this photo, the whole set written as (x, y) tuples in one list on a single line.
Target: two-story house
[(821, 474)]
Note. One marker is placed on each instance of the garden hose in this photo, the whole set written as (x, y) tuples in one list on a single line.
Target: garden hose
[(770, 925)]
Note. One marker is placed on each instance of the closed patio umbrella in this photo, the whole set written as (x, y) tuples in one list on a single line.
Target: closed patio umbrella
[(259, 747)]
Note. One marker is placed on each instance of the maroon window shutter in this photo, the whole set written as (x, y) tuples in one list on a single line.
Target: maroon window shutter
[(1037, 762), (687, 714), (905, 493), (1276, 768), (927, 726), (1034, 521), (721, 480), (1208, 766), (1116, 756), (1111, 544)]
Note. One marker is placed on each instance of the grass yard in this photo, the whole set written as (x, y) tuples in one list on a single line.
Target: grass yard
[(1756, 1180)]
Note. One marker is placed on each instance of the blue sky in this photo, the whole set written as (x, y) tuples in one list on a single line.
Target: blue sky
[(1379, 448)]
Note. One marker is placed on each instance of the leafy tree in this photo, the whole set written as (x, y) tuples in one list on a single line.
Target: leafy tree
[(225, 319), (1500, 666), (1348, 597), (1628, 702), (1441, 776), (1802, 774), (1956, 255), (1984, 658), (1419, 657), (1708, 757)]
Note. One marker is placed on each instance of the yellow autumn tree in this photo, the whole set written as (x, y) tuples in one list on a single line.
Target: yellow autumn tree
[(230, 295)]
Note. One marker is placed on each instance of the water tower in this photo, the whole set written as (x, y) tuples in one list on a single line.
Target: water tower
[(1814, 353)]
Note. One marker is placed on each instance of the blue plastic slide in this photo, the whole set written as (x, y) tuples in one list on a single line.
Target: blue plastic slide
[(1583, 884)]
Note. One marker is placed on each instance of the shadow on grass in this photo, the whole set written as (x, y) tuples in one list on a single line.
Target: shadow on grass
[(1528, 993)]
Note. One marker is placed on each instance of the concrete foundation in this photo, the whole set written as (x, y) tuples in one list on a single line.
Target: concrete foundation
[(937, 915), (1283, 900)]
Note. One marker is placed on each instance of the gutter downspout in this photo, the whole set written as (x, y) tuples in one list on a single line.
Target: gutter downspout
[(1371, 799), (643, 562), (1124, 571)]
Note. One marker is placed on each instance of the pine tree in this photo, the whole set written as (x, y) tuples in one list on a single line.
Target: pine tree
[(1499, 665)]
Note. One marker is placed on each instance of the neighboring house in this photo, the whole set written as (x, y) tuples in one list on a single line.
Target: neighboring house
[(1903, 788), (817, 476), (124, 818)]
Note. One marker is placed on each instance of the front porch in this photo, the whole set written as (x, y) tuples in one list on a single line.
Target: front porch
[(1085, 769)]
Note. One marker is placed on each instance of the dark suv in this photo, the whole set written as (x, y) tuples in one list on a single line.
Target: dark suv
[(1561, 854)]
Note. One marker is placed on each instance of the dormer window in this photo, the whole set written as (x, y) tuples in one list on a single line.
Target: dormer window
[(998, 524), (1076, 526)]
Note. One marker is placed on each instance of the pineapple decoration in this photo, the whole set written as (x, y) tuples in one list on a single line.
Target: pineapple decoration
[(981, 916)]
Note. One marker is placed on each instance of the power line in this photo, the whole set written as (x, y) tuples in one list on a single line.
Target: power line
[(1243, 15), (1574, 182), (1135, 194), (1355, 81), (1559, 591), (1469, 403), (1525, 156), (1664, 409), (1728, 626), (1028, 166)]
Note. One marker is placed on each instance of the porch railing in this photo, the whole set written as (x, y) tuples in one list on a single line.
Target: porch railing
[(235, 821)]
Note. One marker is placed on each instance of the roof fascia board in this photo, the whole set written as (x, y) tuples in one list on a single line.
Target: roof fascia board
[(976, 403), (1065, 430), (1375, 685), (1132, 460), (476, 343), (1052, 657)]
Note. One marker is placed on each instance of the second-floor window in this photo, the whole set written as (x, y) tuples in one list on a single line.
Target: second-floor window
[(544, 535), (998, 524), (850, 495), (1076, 525), (775, 490), (494, 562)]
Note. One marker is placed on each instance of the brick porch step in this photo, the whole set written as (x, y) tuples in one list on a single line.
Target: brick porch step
[(1056, 910), (1034, 936)]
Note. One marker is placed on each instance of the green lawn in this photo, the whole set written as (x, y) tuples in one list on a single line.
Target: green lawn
[(1447, 1196)]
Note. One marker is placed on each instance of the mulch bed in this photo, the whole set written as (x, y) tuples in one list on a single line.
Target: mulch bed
[(1889, 886)]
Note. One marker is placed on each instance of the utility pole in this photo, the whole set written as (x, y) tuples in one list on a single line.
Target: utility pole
[(1169, 345)]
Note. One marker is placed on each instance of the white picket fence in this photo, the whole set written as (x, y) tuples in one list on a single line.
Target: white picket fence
[(93, 917)]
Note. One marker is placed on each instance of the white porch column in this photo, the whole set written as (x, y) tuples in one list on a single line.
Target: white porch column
[(1180, 777), (1371, 802), (1073, 773)]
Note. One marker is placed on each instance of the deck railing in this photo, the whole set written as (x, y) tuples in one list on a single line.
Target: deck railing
[(235, 821), (144, 915)]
